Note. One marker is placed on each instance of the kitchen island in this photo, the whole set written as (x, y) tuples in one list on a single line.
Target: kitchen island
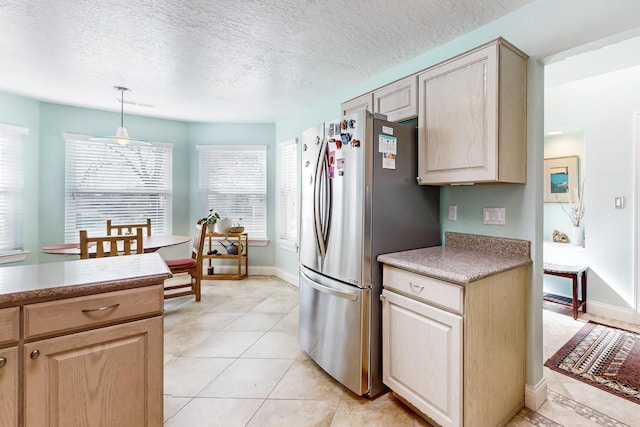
[(81, 342), (454, 328)]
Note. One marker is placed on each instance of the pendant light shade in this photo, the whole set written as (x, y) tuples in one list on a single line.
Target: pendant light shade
[(122, 136)]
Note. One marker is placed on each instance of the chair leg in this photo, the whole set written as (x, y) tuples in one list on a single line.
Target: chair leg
[(575, 297), (197, 288), (584, 291)]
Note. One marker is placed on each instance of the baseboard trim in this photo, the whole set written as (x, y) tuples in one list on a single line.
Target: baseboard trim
[(253, 270), (611, 312), (260, 271), (287, 277), (535, 395)]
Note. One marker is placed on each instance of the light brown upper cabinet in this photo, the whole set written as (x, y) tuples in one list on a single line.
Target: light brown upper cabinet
[(397, 100), (472, 117), (362, 102)]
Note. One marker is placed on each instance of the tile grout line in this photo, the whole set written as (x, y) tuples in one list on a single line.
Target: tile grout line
[(585, 411)]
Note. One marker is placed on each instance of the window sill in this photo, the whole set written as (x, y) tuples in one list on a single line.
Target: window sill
[(288, 246), (14, 256), (258, 242)]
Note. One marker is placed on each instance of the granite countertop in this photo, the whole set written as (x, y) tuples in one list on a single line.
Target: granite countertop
[(464, 258), (42, 282)]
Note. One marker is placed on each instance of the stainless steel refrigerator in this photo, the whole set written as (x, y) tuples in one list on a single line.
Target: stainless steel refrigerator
[(359, 199)]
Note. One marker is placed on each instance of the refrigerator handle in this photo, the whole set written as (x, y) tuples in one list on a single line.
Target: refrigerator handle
[(327, 290), (328, 198), (317, 215)]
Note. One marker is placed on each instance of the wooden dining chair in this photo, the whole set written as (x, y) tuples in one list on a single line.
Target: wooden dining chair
[(192, 266), (109, 245), (123, 229)]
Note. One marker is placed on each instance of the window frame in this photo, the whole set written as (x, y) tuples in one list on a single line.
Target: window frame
[(288, 170), (204, 176), (14, 136), (161, 188)]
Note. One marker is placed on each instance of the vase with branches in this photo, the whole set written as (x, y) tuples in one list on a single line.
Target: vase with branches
[(575, 212)]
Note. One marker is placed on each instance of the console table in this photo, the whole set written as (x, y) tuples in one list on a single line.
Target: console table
[(577, 273), (241, 241)]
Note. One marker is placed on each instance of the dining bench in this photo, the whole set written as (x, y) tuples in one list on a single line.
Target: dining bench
[(578, 274)]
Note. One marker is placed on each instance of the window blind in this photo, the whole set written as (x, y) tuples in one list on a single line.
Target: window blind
[(233, 182), (126, 184), (11, 188), (288, 216)]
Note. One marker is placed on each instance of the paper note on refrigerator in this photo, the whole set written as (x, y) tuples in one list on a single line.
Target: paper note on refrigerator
[(388, 161), (387, 144)]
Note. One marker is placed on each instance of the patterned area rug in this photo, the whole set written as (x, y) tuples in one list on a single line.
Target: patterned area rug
[(604, 357)]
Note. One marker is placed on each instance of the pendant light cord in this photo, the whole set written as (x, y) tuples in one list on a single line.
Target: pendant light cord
[(121, 108)]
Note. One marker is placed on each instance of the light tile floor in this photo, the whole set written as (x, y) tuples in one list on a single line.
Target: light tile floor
[(233, 359)]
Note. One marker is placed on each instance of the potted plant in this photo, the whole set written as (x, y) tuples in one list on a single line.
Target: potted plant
[(212, 218)]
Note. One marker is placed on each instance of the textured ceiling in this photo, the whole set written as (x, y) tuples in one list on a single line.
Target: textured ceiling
[(220, 60)]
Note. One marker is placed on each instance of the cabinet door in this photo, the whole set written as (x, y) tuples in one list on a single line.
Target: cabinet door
[(363, 102), (398, 100), (458, 120), (9, 325), (422, 356), (104, 377), (9, 387)]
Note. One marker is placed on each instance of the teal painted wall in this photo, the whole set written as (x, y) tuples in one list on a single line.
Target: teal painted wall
[(44, 178)]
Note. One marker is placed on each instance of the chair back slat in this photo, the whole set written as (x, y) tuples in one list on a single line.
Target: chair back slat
[(113, 242), (195, 271), (124, 229), (198, 240)]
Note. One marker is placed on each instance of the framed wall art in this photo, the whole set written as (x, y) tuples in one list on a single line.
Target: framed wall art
[(561, 179)]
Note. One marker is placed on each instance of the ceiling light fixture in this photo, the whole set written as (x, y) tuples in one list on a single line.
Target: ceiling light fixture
[(122, 136)]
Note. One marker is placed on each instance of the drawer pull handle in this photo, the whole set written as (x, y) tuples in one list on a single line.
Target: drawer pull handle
[(91, 310), (35, 354), (419, 288), (3, 362)]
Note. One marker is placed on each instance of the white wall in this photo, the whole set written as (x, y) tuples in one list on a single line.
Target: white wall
[(602, 108), (565, 145)]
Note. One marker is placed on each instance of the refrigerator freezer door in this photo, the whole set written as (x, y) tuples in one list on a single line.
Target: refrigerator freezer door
[(344, 252), (333, 193), (312, 143), (334, 328)]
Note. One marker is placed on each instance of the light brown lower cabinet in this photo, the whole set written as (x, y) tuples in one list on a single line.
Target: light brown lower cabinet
[(110, 376), (456, 353), (86, 361), (9, 387)]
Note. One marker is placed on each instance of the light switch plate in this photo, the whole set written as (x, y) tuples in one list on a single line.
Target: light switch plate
[(494, 216), (619, 202), (453, 212)]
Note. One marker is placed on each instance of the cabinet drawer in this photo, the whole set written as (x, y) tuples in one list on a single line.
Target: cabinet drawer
[(9, 321), (55, 317), (423, 288)]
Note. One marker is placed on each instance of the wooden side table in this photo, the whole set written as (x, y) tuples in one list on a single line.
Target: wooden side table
[(241, 240), (577, 273)]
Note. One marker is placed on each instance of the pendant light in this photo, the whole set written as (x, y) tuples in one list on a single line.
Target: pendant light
[(122, 136)]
